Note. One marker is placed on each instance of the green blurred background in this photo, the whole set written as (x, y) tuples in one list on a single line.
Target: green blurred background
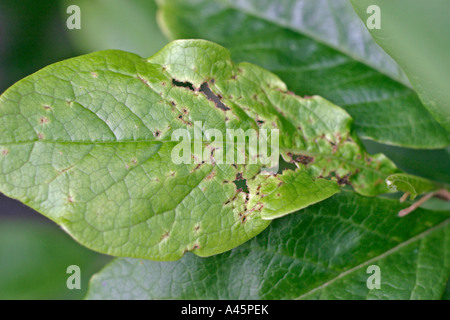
[(34, 252)]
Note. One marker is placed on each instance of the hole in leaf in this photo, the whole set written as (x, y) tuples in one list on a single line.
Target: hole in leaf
[(241, 184), (186, 84), (283, 165), (204, 88)]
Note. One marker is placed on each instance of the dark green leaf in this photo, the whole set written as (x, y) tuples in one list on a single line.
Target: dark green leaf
[(322, 252)]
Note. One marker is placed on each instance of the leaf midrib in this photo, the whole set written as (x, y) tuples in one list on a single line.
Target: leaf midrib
[(304, 152)]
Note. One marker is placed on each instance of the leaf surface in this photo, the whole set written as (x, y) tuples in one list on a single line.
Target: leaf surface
[(412, 184), (322, 252), (88, 143)]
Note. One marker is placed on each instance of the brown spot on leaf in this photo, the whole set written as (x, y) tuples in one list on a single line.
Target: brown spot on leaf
[(211, 175), (165, 236), (300, 158), (144, 81), (343, 180), (43, 120)]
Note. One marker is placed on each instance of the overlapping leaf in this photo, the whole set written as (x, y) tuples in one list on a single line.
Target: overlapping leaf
[(87, 142), (413, 185), (322, 252)]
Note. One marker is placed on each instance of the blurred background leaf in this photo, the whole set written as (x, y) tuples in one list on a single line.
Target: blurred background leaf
[(34, 257), (416, 34), (32, 36), (117, 24)]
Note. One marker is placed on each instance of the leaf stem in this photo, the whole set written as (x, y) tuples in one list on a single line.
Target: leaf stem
[(443, 194)]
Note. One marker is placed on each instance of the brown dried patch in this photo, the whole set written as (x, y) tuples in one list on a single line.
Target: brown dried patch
[(186, 122), (144, 81), (211, 175), (66, 169), (300, 158), (165, 236), (343, 180)]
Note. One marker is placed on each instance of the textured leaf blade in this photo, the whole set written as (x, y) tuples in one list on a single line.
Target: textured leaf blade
[(326, 255), (87, 142), (384, 109), (332, 23), (412, 184)]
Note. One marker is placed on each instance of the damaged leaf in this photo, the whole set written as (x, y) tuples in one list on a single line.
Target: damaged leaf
[(88, 142), (410, 184)]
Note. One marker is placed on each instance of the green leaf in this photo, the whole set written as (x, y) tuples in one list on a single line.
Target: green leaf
[(117, 24), (322, 252), (430, 164), (34, 260), (419, 45), (446, 295), (87, 142), (412, 184), (314, 52)]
